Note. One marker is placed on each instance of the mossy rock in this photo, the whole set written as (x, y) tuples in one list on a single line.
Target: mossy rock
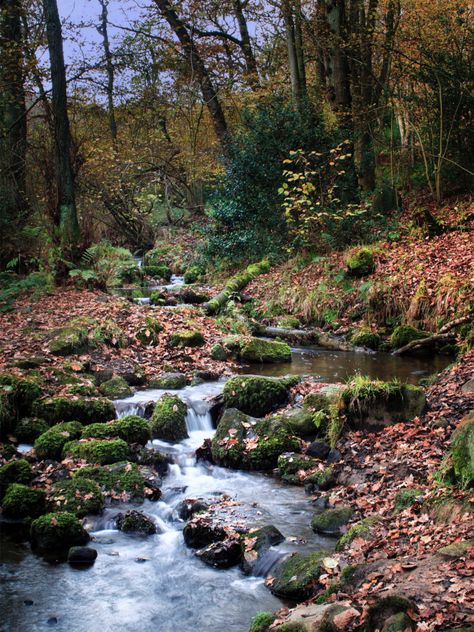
[(272, 440), (289, 322), (462, 452), (116, 388), (193, 274), (50, 444), (399, 622), (172, 381), (331, 521), (29, 429), (115, 479), (404, 334), (455, 550), (159, 271), (324, 398), (361, 529), (57, 531), (406, 498), (296, 577), (219, 353), (18, 471), (148, 333), (132, 429), (366, 338), (102, 452), (17, 396), (255, 544), (266, 351), (385, 609), (69, 340), (262, 621), (21, 501), (300, 422), (320, 479), (184, 339), (79, 496), (86, 411), (255, 396), (228, 441), (292, 463), (373, 404), (361, 262), (110, 334), (168, 421), (135, 522)]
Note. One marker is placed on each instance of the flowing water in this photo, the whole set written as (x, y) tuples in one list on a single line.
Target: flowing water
[(155, 583)]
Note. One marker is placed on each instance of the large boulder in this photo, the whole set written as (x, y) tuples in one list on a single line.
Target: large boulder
[(131, 428), (169, 419), (223, 554), (244, 442), (267, 351), (57, 531), (256, 396), (200, 532), (296, 577), (86, 411), (50, 444)]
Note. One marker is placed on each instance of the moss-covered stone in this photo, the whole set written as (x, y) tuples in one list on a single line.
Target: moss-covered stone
[(169, 419), (102, 452), (272, 440), (21, 501), (403, 334), (267, 351), (366, 338), (18, 471), (405, 498), (57, 531), (262, 621), (255, 544), (116, 388), (84, 410), (384, 609), (291, 463), (289, 322), (218, 353), (135, 522), (193, 274), (324, 398), (320, 479), (399, 622), (456, 549), (69, 340), (186, 339), (255, 396), (29, 429), (17, 396), (462, 452), (330, 521), (50, 444), (115, 479), (148, 333), (361, 529), (79, 496), (301, 423), (360, 262), (172, 381), (373, 404), (296, 577), (110, 334), (132, 429), (158, 271)]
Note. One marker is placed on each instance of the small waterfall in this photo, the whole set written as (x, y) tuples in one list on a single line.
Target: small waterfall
[(198, 420)]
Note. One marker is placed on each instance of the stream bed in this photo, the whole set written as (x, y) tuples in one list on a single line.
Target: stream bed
[(155, 583)]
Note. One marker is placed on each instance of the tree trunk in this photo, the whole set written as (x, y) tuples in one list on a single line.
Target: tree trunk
[(300, 49), (68, 223), (251, 70), (103, 30), (197, 66), (288, 17), (334, 59), (13, 206)]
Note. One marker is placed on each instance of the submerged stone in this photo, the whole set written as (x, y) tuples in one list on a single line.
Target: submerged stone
[(81, 556)]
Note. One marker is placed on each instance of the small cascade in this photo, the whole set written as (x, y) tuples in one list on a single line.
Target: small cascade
[(198, 421)]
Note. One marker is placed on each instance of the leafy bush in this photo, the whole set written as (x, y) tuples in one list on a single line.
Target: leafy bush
[(11, 285), (106, 265)]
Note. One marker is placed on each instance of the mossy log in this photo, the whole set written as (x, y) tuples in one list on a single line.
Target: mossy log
[(235, 284), (445, 336), (305, 336)]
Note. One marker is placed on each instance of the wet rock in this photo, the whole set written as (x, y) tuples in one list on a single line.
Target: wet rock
[(296, 577), (191, 506), (318, 449), (169, 419), (204, 452), (384, 610), (468, 387), (256, 544), (57, 531), (135, 522), (153, 458), (330, 521), (152, 482), (399, 622), (321, 504), (256, 396), (201, 532), (81, 556), (172, 381), (221, 554), (334, 456)]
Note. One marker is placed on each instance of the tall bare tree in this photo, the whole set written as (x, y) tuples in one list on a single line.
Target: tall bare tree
[(103, 29)]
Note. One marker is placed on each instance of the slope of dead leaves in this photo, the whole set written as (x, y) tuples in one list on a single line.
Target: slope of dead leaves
[(400, 557), (23, 333)]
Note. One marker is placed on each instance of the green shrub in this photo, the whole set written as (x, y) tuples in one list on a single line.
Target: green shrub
[(79, 496), (193, 274), (158, 271), (111, 266), (21, 501), (50, 444), (102, 452), (57, 531), (14, 472)]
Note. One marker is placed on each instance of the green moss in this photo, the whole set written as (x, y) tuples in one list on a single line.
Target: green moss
[(360, 529), (218, 353), (169, 419), (79, 496), (360, 262), (227, 444), (289, 322), (14, 472), (110, 334), (21, 501), (148, 333), (403, 334), (255, 396), (262, 621), (115, 479), (158, 271), (58, 531), (462, 452), (102, 452), (86, 411), (330, 521), (323, 399), (173, 381), (271, 443), (324, 479), (69, 340), (29, 429), (384, 609), (456, 549), (405, 498), (50, 444), (292, 627), (193, 274), (17, 396), (268, 351), (301, 423), (366, 338), (116, 388), (158, 298), (186, 339), (133, 429), (297, 576), (291, 463)]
